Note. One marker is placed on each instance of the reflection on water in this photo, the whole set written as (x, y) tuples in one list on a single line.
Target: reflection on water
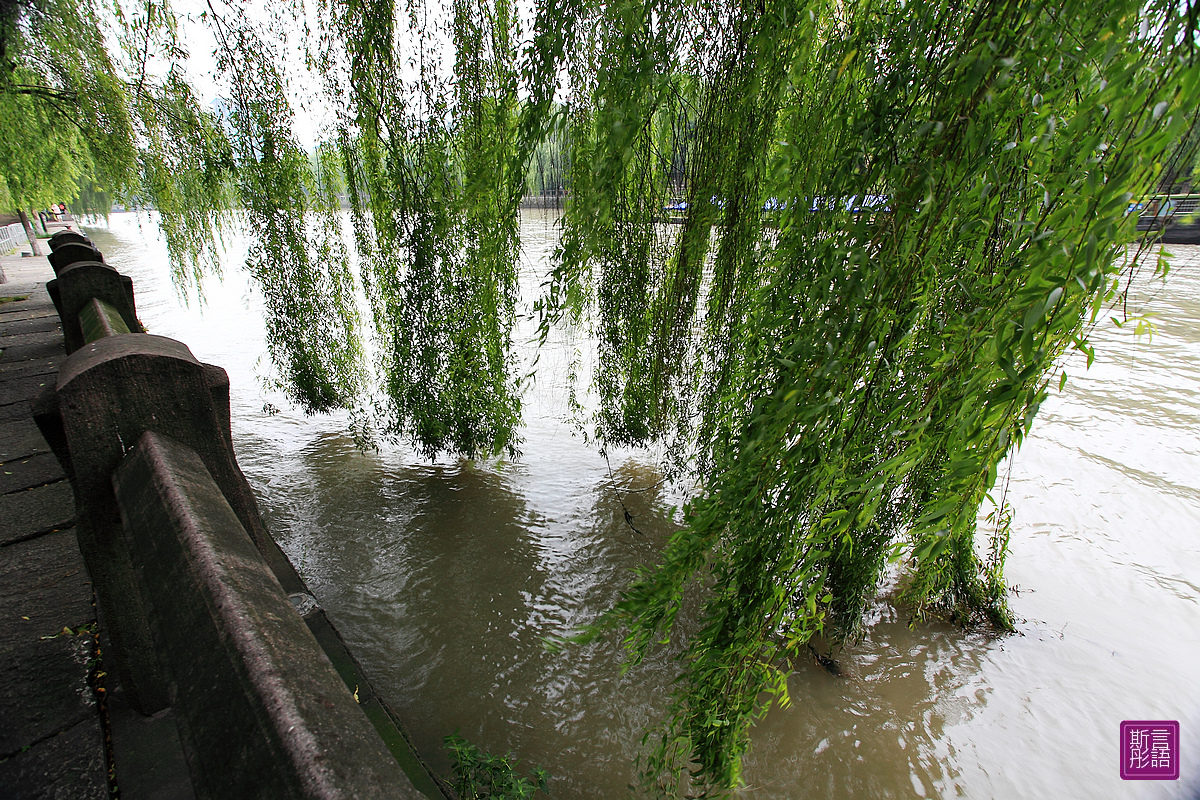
[(444, 578), (877, 731)]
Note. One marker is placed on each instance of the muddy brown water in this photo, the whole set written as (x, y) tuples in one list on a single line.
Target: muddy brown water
[(445, 577)]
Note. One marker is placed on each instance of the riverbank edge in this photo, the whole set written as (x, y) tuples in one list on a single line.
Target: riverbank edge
[(100, 746)]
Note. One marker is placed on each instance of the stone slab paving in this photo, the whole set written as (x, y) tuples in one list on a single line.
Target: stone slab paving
[(67, 767), (27, 473), (34, 512), (35, 324), (52, 741), (17, 311), (32, 366), (19, 388), (48, 642), (19, 342), (20, 438), (33, 350)]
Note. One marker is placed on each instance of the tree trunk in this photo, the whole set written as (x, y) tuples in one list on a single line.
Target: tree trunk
[(29, 232)]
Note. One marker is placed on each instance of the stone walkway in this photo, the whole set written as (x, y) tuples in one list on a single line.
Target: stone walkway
[(52, 740), (64, 723)]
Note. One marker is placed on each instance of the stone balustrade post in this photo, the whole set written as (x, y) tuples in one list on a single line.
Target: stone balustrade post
[(68, 253), (142, 429), (261, 710), (109, 393), (81, 282), (60, 238)]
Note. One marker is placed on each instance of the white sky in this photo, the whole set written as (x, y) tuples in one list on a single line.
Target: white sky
[(312, 117)]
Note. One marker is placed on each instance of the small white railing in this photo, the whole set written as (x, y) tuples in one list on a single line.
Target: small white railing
[(12, 237)]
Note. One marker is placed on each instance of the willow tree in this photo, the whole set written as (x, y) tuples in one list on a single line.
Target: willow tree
[(948, 190), (94, 102), (898, 222)]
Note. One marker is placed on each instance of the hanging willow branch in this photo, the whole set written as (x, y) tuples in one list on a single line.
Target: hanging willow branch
[(896, 221), (434, 192)]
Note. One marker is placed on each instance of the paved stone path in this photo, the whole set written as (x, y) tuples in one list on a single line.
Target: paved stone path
[(52, 741)]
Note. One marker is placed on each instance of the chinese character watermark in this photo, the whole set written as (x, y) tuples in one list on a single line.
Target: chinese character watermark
[(1150, 750)]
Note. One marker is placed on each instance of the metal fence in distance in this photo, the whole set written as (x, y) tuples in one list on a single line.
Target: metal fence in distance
[(12, 237)]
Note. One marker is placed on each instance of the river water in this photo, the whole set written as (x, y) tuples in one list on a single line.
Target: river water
[(444, 577)]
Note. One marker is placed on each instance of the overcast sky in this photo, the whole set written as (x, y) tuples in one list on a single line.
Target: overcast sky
[(312, 117)]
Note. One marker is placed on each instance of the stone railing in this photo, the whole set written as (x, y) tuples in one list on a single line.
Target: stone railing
[(204, 611)]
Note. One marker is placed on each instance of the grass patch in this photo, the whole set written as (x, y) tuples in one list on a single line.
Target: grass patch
[(4, 300)]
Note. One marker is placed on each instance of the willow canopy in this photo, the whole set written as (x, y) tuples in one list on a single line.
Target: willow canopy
[(892, 221)]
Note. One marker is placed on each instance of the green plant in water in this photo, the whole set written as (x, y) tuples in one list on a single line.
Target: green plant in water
[(482, 776)]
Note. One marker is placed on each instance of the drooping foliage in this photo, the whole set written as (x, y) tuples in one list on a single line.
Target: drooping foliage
[(297, 254), (898, 219), (80, 117), (84, 119), (434, 191), (833, 254), (56, 82)]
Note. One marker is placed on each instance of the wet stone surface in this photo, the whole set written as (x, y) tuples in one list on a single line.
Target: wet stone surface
[(20, 388), (30, 513), (51, 744), (20, 439), (26, 473), (44, 689), (67, 766), (30, 367), (47, 323)]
